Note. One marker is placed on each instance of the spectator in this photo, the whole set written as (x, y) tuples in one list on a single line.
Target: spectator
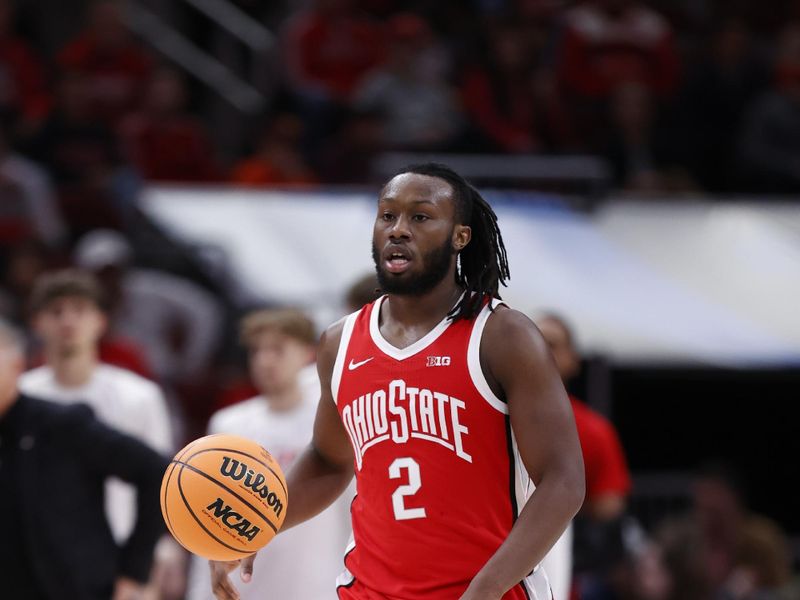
[(770, 144), (612, 42), (641, 149), (420, 110), (719, 87), (348, 157), (510, 99), (608, 483), (23, 92), (762, 569), (59, 545), (67, 315), (278, 160), (83, 156), (165, 143), (700, 547), (720, 549), (330, 49), (29, 208), (176, 322), (115, 66), (280, 346)]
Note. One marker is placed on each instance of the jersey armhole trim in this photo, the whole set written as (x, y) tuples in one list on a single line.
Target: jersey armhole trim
[(474, 359), (341, 352)]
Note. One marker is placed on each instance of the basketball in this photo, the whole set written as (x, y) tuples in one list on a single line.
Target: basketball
[(223, 497)]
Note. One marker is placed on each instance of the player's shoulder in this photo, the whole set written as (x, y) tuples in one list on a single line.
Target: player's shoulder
[(232, 417), (127, 381), (504, 320), (332, 336), (333, 332), (510, 333), (329, 343)]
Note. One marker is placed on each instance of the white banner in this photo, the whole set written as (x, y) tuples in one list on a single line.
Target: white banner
[(672, 281)]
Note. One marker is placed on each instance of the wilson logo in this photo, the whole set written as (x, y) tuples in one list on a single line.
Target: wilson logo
[(233, 520), (239, 471), (438, 361)]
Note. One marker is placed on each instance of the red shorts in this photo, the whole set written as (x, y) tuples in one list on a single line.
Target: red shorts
[(357, 591)]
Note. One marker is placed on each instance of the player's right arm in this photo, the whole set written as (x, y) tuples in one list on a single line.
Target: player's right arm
[(318, 477)]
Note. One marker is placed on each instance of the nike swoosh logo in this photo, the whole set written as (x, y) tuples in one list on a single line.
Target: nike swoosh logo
[(354, 365)]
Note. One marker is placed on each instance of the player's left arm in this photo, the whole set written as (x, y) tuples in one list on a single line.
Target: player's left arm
[(519, 368)]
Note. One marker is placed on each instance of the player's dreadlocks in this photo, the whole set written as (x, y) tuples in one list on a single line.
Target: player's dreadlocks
[(484, 263)]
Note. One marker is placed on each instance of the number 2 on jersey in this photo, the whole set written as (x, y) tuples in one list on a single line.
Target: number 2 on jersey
[(401, 513)]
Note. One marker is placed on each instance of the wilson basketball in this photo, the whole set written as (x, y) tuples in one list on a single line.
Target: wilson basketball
[(223, 497)]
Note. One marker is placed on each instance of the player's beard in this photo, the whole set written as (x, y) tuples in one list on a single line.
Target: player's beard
[(437, 263)]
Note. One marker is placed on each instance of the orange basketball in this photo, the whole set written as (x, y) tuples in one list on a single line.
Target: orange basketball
[(223, 497)]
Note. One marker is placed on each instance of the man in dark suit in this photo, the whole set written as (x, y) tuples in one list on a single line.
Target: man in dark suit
[(55, 543)]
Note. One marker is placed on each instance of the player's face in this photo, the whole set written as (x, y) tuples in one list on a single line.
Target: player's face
[(70, 324), (564, 354), (276, 360), (414, 241)]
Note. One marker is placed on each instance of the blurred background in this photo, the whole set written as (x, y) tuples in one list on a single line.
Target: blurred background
[(214, 156)]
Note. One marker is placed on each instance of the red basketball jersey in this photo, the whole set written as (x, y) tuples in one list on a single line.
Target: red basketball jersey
[(438, 476)]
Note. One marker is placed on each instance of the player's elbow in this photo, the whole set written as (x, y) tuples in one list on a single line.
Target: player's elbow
[(573, 481), (579, 493)]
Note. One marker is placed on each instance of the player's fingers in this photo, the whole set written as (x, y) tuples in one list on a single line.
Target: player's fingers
[(247, 568), (220, 582), (223, 589)]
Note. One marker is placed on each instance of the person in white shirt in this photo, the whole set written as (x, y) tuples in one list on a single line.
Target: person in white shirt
[(67, 315), (301, 563)]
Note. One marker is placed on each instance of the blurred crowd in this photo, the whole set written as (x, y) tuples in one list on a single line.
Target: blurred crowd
[(682, 96), (675, 96)]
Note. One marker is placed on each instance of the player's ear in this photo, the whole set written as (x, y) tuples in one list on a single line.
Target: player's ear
[(462, 234)]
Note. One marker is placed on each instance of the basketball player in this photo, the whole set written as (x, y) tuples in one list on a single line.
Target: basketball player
[(68, 317), (303, 563), (446, 405)]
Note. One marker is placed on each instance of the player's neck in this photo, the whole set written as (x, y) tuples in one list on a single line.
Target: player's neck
[(74, 369), (429, 308), (284, 401)]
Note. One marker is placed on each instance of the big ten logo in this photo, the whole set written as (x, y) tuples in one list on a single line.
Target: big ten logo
[(438, 361)]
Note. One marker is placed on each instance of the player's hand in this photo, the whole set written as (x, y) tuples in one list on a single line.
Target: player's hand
[(127, 589), (220, 582)]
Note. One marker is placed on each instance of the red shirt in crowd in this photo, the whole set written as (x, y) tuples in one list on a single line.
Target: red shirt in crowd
[(117, 75), (511, 127), (173, 149), (600, 52), (22, 84), (603, 457), (257, 171), (333, 54)]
